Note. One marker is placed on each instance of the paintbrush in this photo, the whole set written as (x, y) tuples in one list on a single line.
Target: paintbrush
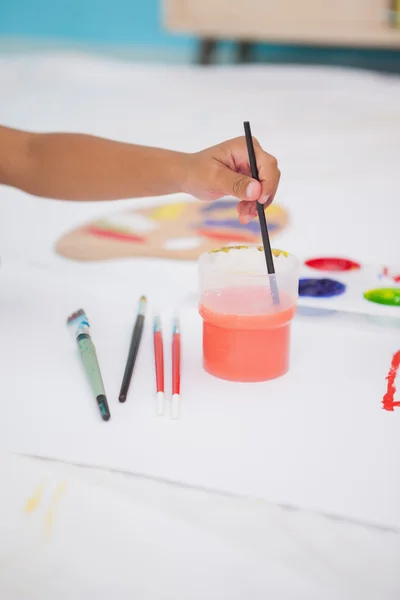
[(133, 349), (176, 369), (261, 217), (78, 324), (159, 364)]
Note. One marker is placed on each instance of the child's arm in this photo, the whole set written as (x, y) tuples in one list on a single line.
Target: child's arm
[(82, 167)]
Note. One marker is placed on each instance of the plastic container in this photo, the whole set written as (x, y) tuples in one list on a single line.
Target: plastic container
[(246, 328)]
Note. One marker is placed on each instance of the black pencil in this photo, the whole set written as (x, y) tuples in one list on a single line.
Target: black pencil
[(261, 216), (133, 349)]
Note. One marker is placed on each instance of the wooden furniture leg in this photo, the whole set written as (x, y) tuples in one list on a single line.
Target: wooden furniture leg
[(244, 52), (207, 51)]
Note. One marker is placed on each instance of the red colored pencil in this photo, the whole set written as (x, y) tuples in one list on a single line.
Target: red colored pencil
[(159, 364), (176, 369)]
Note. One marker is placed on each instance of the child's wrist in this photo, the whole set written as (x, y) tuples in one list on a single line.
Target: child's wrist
[(183, 170)]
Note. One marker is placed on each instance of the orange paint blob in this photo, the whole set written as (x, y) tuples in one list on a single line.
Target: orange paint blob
[(245, 336)]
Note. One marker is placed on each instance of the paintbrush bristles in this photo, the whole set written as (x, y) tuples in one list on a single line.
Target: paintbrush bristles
[(176, 325), (157, 323), (75, 315), (142, 305)]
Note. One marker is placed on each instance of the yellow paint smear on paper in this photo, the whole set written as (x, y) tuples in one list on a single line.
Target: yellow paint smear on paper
[(169, 212), (49, 517), (34, 500)]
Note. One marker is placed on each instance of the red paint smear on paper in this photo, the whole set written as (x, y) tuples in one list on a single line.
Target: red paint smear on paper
[(115, 235), (388, 402), (385, 273), (226, 237)]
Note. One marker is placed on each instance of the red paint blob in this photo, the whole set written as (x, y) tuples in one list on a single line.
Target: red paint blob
[(332, 264), (388, 402), (115, 235)]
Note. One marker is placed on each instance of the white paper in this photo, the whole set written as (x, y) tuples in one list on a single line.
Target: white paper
[(316, 438)]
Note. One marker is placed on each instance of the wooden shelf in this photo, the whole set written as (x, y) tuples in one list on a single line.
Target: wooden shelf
[(361, 23)]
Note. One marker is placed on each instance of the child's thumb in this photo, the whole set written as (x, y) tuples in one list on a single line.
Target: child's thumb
[(240, 186)]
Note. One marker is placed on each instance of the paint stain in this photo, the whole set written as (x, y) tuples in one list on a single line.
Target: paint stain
[(169, 212), (387, 296), (275, 252), (332, 263), (320, 288), (253, 226), (219, 205), (114, 234), (386, 273), (223, 236), (33, 501), (388, 401), (49, 517), (227, 249)]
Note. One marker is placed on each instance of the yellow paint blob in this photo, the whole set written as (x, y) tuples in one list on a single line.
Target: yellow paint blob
[(34, 500), (279, 252), (169, 212), (226, 249)]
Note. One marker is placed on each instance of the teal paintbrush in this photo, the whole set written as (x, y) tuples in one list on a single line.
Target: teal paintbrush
[(79, 325)]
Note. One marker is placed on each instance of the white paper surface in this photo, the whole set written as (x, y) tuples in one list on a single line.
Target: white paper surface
[(317, 438), (156, 542)]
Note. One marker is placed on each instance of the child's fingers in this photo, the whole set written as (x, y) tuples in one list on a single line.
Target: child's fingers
[(269, 175), (273, 194), (248, 210), (243, 209)]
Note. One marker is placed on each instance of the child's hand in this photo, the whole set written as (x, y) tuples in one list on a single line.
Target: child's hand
[(224, 170)]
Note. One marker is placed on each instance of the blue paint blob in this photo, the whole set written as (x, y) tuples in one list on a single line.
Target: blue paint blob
[(219, 205), (253, 226), (320, 288)]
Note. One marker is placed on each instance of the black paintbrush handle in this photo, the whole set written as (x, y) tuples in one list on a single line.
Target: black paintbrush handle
[(132, 355), (265, 238), (261, 216)]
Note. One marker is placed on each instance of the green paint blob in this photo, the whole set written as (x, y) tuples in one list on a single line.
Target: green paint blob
[(388, 296)]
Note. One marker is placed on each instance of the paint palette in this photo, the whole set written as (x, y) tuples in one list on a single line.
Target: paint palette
[(331, 284), (181, 230)]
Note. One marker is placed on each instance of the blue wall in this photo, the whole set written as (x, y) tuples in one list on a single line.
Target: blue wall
[(121, 22)]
